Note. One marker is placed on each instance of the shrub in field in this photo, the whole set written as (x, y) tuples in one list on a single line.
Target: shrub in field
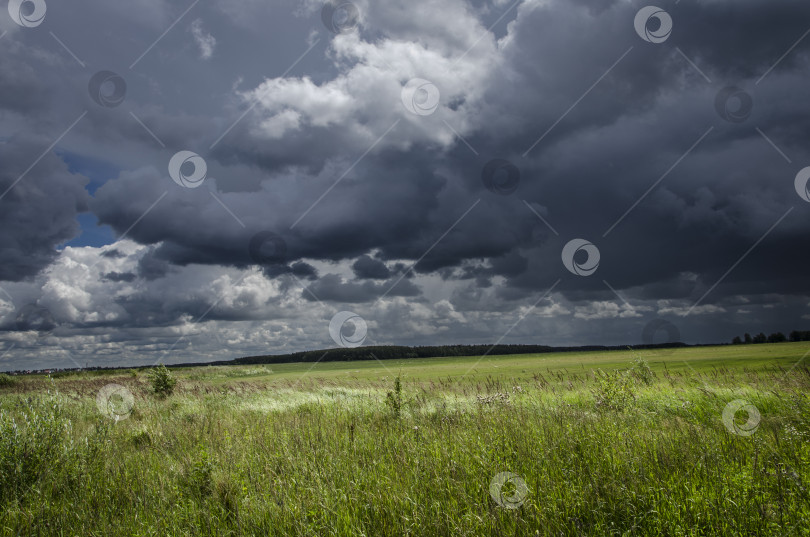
[(614, 390), (7, 381), (394, 399), (162, 381), (641, 371)]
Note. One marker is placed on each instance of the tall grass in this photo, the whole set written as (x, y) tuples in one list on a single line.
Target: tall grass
[(601, 453)]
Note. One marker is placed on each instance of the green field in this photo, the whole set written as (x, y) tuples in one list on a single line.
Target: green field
[(599, 443)]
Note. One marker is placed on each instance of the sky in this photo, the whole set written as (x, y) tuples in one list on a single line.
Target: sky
[(202, 180)]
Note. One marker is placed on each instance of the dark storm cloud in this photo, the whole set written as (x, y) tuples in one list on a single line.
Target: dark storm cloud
[(299, 269), (637, 122), (150, 267), (742, 40), (20, 88), (120, 277), (398, 194), (367, 268), (510, 264), (642, 119), (38, 207), (332, 288), (113, 254), (304, 270)]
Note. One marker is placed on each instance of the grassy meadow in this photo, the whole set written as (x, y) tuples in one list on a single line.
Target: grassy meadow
[(695, 441)]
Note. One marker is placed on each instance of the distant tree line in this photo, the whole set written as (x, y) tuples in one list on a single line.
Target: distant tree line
[(394, 352), (776, 337), (391, 352)]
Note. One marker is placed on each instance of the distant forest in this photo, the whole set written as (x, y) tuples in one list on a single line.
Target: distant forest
[(393, 352), (776, 337)]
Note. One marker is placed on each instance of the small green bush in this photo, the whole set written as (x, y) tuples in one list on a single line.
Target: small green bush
[(7, 381), (641, 370), (394, 399), (613, 391), (162, 381)]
